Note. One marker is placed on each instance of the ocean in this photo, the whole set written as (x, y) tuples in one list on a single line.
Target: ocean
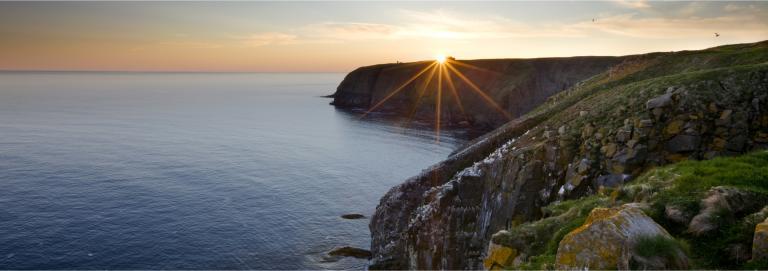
[(192, 170)]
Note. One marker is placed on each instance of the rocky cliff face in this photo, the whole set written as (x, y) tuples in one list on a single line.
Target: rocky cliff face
[(516, 85), (646, 111)]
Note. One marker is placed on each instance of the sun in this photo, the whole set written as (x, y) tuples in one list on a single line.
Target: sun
[(441, 59)]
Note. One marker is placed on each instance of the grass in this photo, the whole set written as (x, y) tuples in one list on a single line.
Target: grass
[(684, 184), (659, 246), (692, 179)]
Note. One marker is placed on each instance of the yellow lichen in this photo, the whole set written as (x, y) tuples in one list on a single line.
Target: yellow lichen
[(499, 256)]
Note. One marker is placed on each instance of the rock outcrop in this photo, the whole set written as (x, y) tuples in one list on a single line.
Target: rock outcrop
[(760, 242), (645, 112), (609, 239), (516, 85), (722, 203)]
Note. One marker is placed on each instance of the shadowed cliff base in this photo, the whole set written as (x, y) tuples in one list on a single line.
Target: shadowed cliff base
[(643, 112)]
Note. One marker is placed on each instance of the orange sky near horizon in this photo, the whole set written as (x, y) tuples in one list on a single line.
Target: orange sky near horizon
[(339, 36)]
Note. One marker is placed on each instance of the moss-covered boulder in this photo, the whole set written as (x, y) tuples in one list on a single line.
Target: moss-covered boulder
[(609, 238)]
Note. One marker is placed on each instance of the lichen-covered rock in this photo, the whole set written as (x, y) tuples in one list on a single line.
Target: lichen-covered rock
[(607, 240), (499, 256), (760, 242)]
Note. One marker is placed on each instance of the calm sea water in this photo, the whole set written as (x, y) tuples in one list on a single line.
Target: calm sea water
[(191, 171)]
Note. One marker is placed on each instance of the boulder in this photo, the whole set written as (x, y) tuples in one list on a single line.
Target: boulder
[(499, 256), (760, 242), (722, 203), (608, 240)]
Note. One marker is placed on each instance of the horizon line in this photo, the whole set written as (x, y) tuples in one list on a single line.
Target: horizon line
[(155, 71)]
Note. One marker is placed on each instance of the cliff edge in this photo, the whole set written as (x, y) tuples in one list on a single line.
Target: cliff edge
[(515, 85), (528, 183)]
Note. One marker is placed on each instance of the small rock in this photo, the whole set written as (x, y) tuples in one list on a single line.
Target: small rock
[(760, 241), (609, 149), (659, 101), (725, 118), (719, 143), (584, 166), (352, 216), (683, 143), (611, 180), (677, 215), (674, 127), (712, 107), (347, 251), (587, 131), (583, 113), (631, 143), (737, 143), (549, 134)]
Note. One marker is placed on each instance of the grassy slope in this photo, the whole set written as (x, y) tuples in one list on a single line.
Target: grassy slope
[(686, 182)]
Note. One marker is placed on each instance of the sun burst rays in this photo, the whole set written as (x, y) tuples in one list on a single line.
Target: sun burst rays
[(407, 82), (443, 69)]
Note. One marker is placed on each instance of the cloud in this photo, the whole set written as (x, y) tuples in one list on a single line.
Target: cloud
[(740, 22), (268, 38), (633, 4), (348, 31)]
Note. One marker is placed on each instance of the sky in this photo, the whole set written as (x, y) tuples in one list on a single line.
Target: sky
[(340, 36)]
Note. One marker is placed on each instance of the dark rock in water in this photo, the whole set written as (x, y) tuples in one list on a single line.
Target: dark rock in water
[(352, 216), (347, 251)]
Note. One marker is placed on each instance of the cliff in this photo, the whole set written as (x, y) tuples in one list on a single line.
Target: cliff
[(516, 85), (642, 112)]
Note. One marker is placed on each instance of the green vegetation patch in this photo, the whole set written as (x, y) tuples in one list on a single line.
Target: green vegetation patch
[(659, 246), (685, 184)]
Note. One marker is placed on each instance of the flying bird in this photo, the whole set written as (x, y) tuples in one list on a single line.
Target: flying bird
[(717, 35)]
